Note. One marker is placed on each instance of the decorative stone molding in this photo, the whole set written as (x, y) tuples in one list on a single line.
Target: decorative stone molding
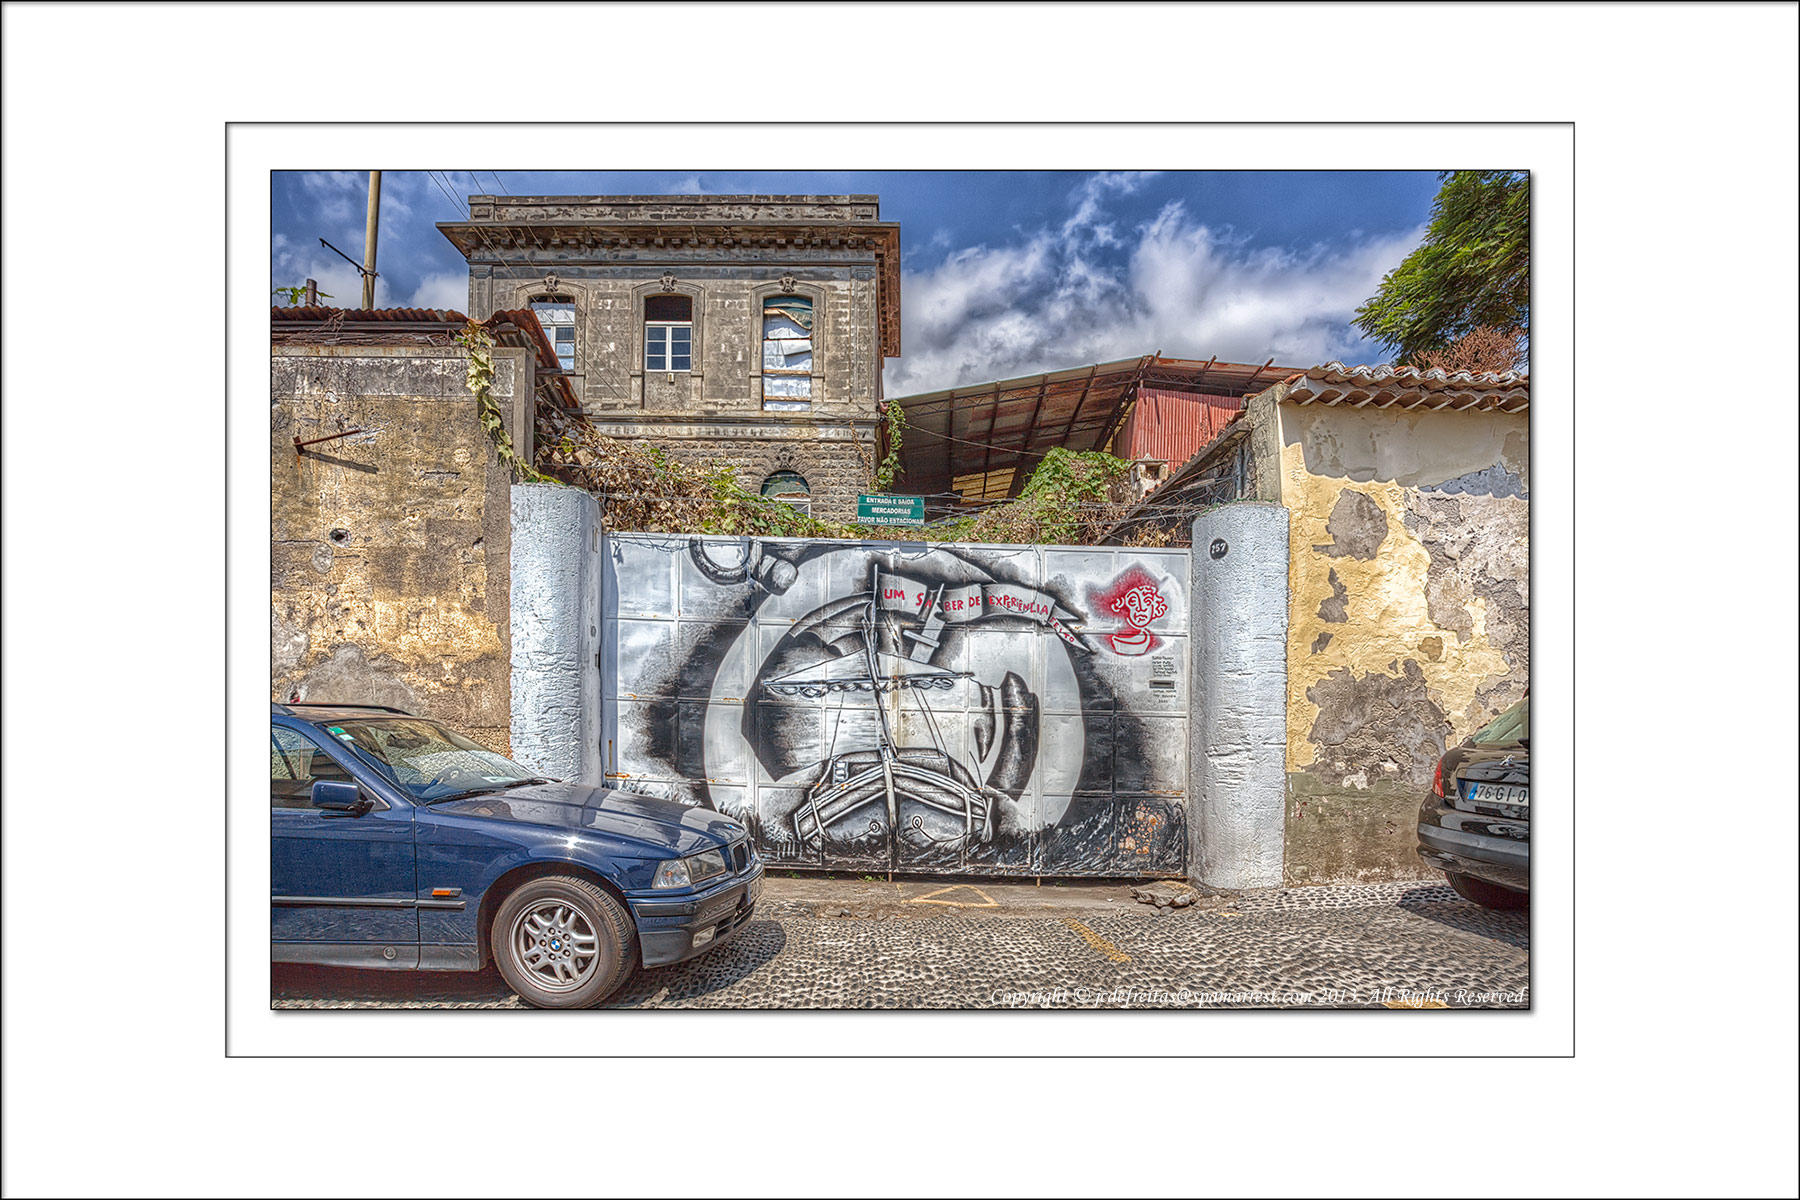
[(668, 281), (788, 282)]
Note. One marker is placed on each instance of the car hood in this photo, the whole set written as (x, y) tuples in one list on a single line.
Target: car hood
[(662, 825)]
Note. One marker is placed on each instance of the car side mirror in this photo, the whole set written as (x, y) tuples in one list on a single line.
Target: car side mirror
[(339, 798)]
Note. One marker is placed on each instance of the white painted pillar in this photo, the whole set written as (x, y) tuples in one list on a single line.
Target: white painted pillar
[(556, 631), (1238, 732)]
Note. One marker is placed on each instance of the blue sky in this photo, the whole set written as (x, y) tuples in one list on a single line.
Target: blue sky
[(1004, 273)]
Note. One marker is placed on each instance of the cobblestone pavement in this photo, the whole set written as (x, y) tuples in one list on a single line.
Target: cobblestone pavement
[(1371, 946)]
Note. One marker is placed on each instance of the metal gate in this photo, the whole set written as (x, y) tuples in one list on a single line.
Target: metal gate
[(918, 707)]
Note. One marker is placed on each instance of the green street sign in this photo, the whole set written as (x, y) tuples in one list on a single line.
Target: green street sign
[(890, 510)]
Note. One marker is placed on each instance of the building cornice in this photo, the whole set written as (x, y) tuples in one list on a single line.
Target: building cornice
[(491, 242)]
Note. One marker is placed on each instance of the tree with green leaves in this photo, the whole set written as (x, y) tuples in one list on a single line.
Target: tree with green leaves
[(1472, 270)]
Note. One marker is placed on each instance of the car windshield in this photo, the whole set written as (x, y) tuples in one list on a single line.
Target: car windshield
[(1510, 728), (428, 761)]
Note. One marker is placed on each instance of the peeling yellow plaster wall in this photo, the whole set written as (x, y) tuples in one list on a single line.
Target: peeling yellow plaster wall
[(1326, 451)]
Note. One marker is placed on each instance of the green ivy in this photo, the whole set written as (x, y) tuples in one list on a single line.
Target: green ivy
[(480, 345), (1049, 508), (889, 469)]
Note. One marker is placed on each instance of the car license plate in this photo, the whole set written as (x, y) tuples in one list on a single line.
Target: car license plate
[(1500, 793), (754, 892)]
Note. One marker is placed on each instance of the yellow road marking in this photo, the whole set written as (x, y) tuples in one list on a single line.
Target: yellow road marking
[(1100, 944), (1415, 1004), (987, 901)]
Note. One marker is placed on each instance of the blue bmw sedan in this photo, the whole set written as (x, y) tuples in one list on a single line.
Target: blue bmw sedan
[(396, 843)]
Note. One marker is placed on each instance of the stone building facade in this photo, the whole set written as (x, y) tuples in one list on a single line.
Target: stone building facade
[(748, 331)]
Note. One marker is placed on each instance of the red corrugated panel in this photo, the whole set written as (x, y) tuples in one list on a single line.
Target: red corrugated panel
[(1174, 426)]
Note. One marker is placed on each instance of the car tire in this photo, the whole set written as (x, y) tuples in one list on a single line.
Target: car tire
[(561, 941), (1488, 895)]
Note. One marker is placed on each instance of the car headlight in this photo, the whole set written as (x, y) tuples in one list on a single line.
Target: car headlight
[(685, 872), (671, 874)]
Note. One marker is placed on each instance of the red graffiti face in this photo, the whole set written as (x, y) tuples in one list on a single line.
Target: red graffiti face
[(1135, 598)]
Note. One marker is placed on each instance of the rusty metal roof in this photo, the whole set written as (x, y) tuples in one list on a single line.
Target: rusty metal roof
[(1410, 389), (983, 437)]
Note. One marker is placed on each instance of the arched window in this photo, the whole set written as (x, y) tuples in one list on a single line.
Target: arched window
[(557, 315), (787, 352), (789, 487), (668, 333)]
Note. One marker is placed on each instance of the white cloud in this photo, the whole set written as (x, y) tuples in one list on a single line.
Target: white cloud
[(1088, 292), (292, 266), (1091, 195), (449, 289)]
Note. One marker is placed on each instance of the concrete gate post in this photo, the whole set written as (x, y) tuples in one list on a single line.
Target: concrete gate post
[(556, 631), (1238, 731)]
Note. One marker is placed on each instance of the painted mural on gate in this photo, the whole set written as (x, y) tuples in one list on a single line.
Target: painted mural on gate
[(984, 709)]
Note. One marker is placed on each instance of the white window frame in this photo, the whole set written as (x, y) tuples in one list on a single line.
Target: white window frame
[(780, 403), (663, 331), (551, 329), (668, 366)]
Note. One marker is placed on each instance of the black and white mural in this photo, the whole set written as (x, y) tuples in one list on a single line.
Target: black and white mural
[(907, 706)]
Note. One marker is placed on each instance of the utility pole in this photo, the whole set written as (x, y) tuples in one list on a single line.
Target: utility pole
[(369, 232)]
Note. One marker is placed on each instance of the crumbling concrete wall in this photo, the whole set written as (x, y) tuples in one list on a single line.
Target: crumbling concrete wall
[(1409, 619), (389, 571)]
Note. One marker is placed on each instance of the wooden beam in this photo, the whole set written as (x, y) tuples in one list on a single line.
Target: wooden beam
[(987, 455), (1086, 387), (949, 450), (1025, 438), (1108, 430)]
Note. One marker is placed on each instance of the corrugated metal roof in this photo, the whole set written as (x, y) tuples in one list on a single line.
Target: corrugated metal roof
[(1169, 426), (1009, 425), (1410, 388)]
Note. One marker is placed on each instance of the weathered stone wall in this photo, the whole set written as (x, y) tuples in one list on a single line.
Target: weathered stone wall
[(389, 549), (836, 460), (1409, 620)]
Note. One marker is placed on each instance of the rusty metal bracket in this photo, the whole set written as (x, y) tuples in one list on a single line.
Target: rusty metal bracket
[(330, 437)]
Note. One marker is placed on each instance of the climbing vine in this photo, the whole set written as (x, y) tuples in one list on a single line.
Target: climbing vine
[(1066, 502), (480, 345), (889, 470)]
